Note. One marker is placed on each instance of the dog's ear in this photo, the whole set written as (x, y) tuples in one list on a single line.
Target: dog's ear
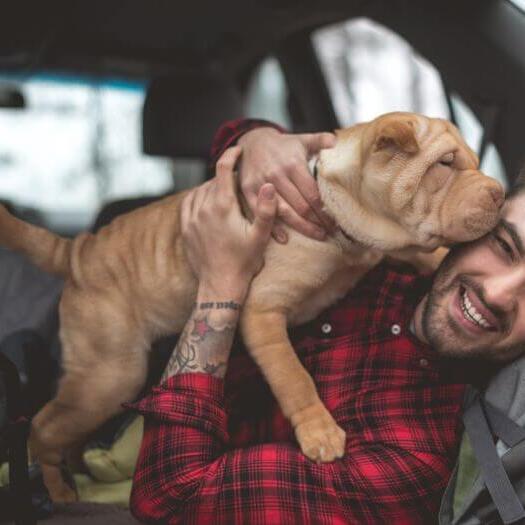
[(400, 134)]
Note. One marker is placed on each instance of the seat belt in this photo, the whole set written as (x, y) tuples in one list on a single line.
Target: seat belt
[(476, 417)]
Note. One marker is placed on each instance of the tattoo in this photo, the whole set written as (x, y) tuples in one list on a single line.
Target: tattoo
[(230, 305), (205, 342), (212, 368), (182, 359)]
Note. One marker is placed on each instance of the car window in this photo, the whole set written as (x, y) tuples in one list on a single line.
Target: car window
[(267, 94), (518, 3), (74, 146), (472, 131), (371, 70), (77, 145)]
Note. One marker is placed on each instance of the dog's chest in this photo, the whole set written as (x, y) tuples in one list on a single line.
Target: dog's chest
[(305, 277), (336, 287)]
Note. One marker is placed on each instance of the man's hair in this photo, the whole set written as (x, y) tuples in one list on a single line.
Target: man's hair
[(518, 186)]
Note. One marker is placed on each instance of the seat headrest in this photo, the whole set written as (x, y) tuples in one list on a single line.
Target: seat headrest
[(181, 114)]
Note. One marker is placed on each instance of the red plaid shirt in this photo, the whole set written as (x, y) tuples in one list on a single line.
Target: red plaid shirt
[(221, 452)]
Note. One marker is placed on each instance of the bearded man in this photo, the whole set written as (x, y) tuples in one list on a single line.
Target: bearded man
[(390, 361)]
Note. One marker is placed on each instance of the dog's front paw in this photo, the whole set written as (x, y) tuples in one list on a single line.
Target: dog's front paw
[(319, 436)]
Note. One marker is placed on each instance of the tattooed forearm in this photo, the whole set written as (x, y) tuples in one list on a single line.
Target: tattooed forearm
[(204, 345)]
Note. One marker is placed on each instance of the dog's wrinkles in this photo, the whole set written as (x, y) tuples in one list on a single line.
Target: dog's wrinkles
[(313, 166)]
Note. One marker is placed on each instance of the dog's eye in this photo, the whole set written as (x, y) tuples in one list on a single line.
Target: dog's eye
[(447, 159)]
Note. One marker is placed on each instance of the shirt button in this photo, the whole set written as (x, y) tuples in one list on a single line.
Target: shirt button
[(423, 362), (395, 329), (326, 328)]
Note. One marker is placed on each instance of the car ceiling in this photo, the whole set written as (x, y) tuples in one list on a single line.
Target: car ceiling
[(146, 38), (477, 45)]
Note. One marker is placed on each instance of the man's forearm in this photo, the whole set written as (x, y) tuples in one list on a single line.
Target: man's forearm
[(205, 343)]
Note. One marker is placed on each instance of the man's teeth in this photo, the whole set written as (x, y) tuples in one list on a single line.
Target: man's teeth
[(470, 313)]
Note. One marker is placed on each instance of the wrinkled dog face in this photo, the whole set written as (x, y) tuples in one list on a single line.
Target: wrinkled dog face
[(408, 180)]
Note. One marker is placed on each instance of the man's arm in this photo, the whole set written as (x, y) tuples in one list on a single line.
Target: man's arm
[(187, 472), (225, 251)]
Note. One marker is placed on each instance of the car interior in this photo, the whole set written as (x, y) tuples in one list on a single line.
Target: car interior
[(107, 106)]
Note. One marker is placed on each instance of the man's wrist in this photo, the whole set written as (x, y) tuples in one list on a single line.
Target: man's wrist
[(261, 130), (222, 293), (205, 343), (201, 305)]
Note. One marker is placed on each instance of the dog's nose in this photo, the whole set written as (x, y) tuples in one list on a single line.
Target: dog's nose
[(479, 218), (473, 209)]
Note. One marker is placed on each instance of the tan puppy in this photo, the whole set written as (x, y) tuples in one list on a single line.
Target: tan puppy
[(398, 184)]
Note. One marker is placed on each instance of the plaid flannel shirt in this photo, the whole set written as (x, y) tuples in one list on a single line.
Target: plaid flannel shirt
[(221, 452)]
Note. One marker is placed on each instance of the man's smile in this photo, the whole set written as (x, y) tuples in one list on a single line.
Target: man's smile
[(469, 313)]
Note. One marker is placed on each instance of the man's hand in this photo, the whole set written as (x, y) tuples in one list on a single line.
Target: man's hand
[(224, 249), (282, 160)]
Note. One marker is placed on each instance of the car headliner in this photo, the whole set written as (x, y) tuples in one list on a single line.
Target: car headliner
[(477, 45)]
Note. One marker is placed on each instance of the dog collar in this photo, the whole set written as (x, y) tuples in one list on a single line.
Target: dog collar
[(313, 170)]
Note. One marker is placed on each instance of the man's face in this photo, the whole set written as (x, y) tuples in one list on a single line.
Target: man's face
[(476, 306)]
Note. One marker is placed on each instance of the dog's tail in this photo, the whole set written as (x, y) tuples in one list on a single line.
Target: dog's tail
[(45, 249)]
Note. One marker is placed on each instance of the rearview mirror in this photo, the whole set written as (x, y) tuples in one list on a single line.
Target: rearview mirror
[(11, 98)]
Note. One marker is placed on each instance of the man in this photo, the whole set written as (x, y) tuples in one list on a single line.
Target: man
[(390, 361)]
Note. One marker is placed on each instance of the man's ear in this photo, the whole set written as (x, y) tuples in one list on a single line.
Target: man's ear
[(399, 134)]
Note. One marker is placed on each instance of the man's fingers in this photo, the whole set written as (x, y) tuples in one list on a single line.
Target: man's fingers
[(291, 193), (202, 199), (279, 233), (265, 211), (224, 170), (186, 212), (227, 160), (307, 186), (295, 221), (315, 142), (224, 179), (251, 199)]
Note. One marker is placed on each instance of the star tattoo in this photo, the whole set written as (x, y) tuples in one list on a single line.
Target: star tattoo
[(201, 328)]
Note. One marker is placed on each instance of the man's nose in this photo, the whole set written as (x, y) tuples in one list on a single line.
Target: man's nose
[(503, 290)]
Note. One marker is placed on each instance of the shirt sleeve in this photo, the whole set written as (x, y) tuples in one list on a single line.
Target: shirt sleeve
[(187, 473), (230, 131)]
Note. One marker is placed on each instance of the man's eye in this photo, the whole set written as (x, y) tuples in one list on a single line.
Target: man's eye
[(504, 245)]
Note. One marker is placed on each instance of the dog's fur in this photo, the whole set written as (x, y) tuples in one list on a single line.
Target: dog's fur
[(382, 183)]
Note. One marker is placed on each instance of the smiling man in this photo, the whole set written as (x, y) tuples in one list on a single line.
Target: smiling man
[(390, 361), (476, 306)]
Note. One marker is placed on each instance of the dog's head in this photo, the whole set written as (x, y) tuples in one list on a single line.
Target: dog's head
[(405, 180)]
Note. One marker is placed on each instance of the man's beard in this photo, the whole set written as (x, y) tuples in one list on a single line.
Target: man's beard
[(446, 338)]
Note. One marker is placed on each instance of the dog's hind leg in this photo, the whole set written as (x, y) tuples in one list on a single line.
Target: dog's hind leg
[(266, 337), (104, 365), (84, 401)]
